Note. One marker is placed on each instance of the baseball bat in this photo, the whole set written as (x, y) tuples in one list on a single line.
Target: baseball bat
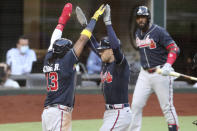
[(176, 74)]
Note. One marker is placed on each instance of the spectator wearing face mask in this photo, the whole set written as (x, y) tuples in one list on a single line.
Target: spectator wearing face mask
[(5, 81), (20, 59)]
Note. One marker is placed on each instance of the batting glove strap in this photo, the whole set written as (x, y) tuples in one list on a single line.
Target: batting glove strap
[(108, 22), (86, 33), (60, 27)]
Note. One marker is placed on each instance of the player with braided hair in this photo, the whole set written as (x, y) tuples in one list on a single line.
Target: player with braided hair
[(59, 71)]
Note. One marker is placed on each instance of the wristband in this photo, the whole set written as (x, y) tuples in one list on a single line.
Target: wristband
[(60, 27), (86, 33)]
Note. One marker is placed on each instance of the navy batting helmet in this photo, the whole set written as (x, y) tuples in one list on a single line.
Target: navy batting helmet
[(104, 43), (61, 47), (143, 11)]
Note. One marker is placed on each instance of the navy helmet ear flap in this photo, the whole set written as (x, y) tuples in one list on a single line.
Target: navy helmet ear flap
[(62, 46)]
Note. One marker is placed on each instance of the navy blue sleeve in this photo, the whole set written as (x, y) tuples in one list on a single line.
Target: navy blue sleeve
[(70, 59), (91, 25), (115, 44), (164, 37), (47, 56), (92, 41), (93, 44)]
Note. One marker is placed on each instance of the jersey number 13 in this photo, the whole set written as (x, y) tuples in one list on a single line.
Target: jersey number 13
[(52, 81)]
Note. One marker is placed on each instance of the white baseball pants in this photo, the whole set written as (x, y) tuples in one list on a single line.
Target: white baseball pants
[(116, 119), (148, 83), (55, 119)]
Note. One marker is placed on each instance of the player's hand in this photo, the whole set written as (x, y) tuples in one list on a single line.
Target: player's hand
[(99, 12), (66, 13), (166, 69), (81, 16), (107, 15)]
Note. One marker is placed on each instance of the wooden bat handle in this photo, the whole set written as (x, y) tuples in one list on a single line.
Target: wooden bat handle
[(176, 74)]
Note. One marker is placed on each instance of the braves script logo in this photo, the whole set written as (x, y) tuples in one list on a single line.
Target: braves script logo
[(106, 77), (140, 11), (146, 43)]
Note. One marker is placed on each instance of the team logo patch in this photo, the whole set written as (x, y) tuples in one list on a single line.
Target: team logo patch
[(140, 11), (148, 42), (106, 77)]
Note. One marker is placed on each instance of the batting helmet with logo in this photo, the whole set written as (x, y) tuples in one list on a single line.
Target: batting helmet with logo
[(104, 43), (143, 11), (62, 46)]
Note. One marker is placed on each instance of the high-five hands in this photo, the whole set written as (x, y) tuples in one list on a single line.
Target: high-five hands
[(66, 13), (65, 16), (107, 15), (99, 12)]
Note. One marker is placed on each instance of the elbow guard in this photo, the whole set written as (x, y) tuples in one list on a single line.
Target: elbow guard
[(174, 51)]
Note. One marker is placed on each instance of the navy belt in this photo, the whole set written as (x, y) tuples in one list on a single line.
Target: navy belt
[(116, 106), (152, 70), (61, 107)]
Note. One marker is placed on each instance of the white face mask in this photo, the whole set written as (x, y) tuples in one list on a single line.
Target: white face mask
[(24, 49)]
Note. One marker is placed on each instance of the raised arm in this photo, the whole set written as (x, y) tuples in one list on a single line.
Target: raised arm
[(65, 16), (87, 32), (114, 41), (93, 43), (83, 22)]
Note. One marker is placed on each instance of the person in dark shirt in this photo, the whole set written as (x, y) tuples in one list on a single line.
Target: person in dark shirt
[(157, 50), (114, 78), (59, 69)]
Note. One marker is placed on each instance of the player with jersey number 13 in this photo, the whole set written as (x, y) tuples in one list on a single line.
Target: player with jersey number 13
[(157, 50), (59, 71)]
